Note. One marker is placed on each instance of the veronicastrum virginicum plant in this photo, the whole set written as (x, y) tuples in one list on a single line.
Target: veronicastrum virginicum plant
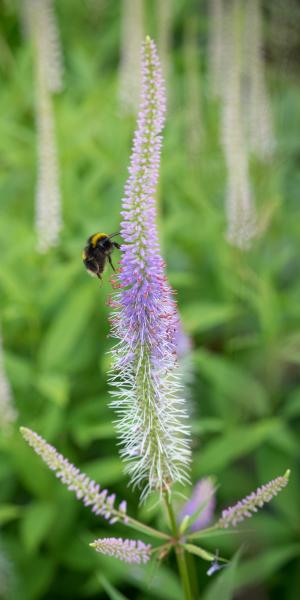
[(154, 436), (145, 373)]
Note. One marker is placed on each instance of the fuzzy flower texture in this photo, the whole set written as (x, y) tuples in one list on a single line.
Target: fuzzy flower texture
[(130, 551), (151, 414), (245, 508), (87, 490)]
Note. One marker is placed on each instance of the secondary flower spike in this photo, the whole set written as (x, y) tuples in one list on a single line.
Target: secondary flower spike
[(130, 551), (201, 504), (8, 414), (85, 489), (151, 425), (249, 505)]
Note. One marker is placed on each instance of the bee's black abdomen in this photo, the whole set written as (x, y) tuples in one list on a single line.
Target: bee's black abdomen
[(97, 252), (91, 266)]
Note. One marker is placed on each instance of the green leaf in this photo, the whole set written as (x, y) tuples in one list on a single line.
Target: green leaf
[(78, 555), (290, 348), (30, 469), (59, 284), (37, 521), (163, 584), (286, 440), (221, 452), (207, 425), (19, 369), (86, 433), (199, 552), (111, 591), (232, 381), (185, 523), (180, 279), (211, 533), (91, 421), (259, 568), (9, 512), (106, 471), (65, 331), (54, 387), (291, 407), (200, 316), (223, 584), (35, 587), (51, 422)]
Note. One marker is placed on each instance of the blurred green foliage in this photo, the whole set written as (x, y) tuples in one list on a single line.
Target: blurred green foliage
[(241, 311)]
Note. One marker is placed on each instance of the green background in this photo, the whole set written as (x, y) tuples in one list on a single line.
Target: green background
[(240, 309)]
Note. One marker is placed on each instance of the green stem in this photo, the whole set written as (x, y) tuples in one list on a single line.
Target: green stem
[(203, 532), (193, 574), (179, 551), (130, 522)]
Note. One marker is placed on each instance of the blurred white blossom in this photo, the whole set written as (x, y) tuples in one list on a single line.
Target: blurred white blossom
[(237, 78), (48, 62), (8, 413), (41, 25), (241, 214), (164, 12), (257, 115), (48, 200), (194, 128), (216, 46), (132, 36), (6, 575)]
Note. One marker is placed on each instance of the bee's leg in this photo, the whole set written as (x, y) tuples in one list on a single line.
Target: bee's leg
[(100, 279), (110, 262), (117, 245)]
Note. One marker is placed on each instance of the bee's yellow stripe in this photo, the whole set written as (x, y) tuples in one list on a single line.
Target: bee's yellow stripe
[(96, 237)]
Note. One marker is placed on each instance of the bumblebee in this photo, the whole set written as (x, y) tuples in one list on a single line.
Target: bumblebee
[(97, 251)]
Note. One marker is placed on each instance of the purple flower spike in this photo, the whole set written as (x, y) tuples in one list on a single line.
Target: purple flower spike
[(203, 502), (155, 440), (130, 551), (249, 505), (85, 489)]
